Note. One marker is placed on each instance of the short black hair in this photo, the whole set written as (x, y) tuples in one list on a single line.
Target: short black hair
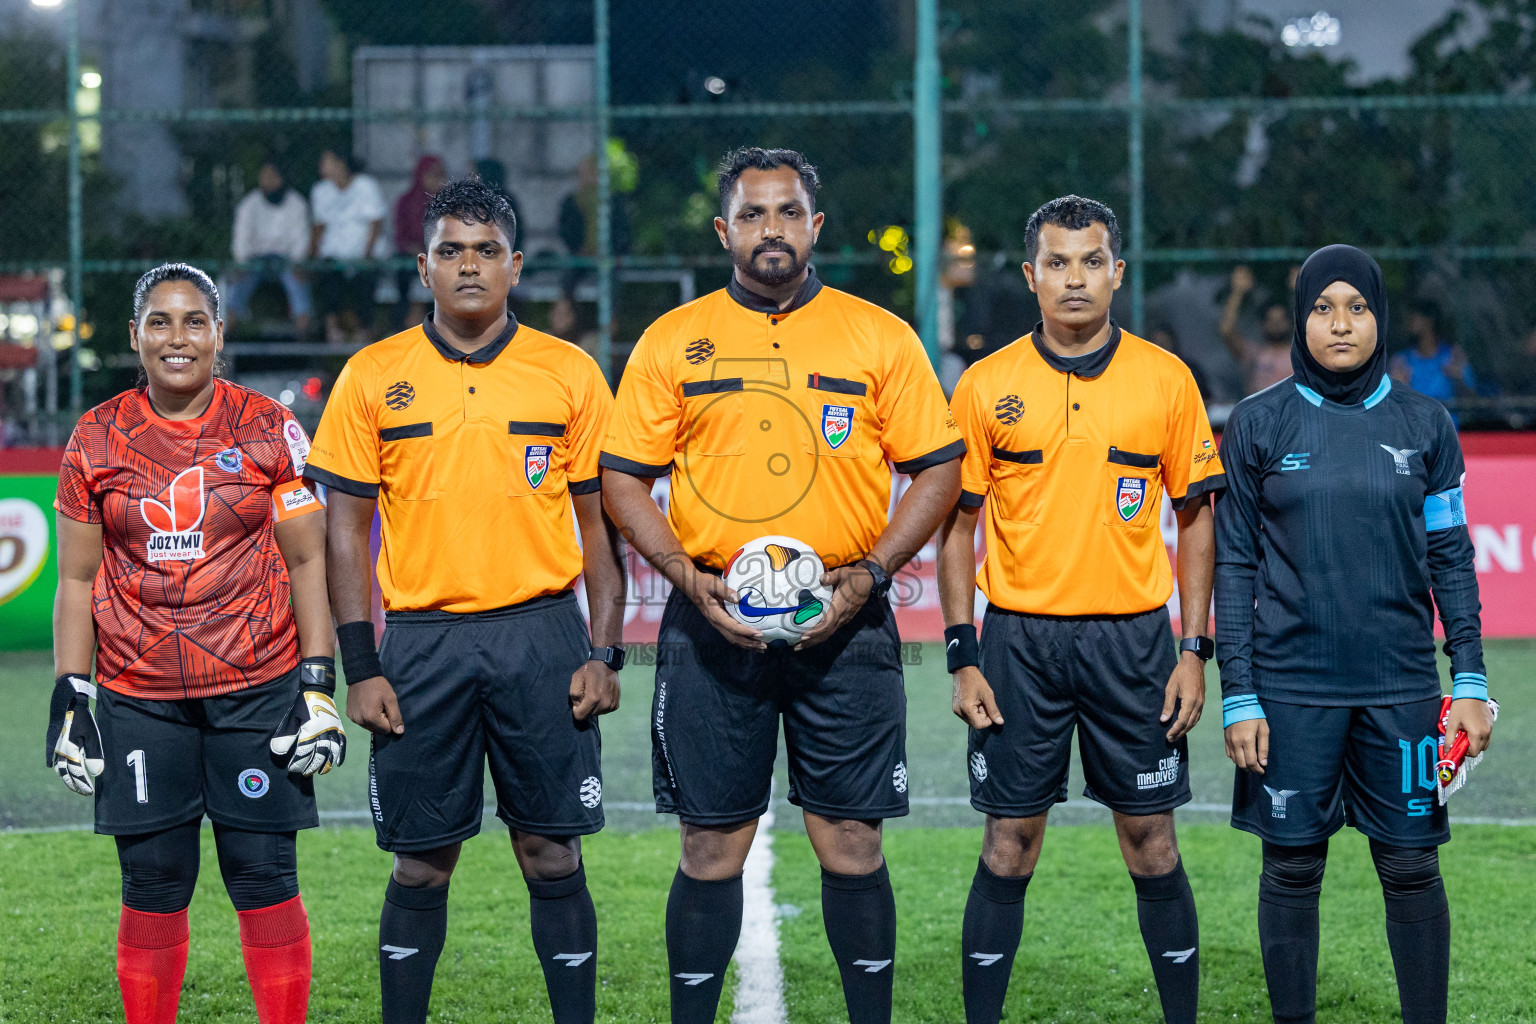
[(756, 158), (167, 272), (1429, 309), (471, 201), (1073, 213)]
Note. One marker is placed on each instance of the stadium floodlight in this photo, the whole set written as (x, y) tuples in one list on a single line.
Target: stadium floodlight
[(714, 84), (47, 3), (91, 79), (1321, 29)]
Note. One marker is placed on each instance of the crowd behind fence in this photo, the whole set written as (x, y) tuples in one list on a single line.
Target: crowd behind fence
[(298, 180)]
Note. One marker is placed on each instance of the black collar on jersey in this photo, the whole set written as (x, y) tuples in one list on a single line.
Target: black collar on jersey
[(1086, 367), (762, 304), (1325, 266), (484, 354)]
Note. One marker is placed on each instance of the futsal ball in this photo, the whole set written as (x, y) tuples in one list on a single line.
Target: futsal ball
[(778, 588)]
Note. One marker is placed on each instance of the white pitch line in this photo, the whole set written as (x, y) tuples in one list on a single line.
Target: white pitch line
[(759, 975)]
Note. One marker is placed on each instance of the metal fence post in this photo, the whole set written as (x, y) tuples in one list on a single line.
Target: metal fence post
[(928, 199), (76, 243), (1138, 184), (604, 194)]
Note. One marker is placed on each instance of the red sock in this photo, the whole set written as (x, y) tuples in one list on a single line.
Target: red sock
[(151, 961), (275, 941)]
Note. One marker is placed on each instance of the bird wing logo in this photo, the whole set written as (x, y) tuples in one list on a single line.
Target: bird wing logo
[(175, 522), (1129, 497), (1400, 457), (536, 463), (836, 424)]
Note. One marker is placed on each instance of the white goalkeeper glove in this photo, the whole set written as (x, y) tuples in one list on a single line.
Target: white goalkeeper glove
[(312, 729), (74, 742)]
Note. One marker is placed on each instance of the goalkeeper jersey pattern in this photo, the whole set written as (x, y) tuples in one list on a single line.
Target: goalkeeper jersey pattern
[(192, 599), (1342, 528)]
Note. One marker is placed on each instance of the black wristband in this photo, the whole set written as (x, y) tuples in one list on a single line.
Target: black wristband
[(960, 647), (359, 656)]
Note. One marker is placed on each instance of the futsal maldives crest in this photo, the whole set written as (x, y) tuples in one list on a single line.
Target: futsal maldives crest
[(836, 424), (176, 521), (1130, 496), (536, 463)]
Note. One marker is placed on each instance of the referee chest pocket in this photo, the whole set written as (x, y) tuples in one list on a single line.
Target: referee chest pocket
[(538, 458), (1018, 484), (841, 416), (715, 417), (1131, 489), (406, 462)]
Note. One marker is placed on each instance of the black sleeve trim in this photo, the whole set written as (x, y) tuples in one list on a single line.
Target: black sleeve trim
[(695, 388), (631, 467), (536, 428), (585, 486), (1033, 457), (356, 488), (409, 430), (950, 452), (969, 500), (836, 385), (1139, 461), (1199, 489)]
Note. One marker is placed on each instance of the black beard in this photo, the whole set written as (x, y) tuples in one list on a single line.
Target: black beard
[(772, 278)]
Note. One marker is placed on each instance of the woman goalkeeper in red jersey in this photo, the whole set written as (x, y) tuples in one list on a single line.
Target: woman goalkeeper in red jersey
[(192, 579)]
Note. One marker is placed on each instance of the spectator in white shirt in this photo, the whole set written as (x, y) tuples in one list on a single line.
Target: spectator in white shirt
[(271, 235), (349, 216)]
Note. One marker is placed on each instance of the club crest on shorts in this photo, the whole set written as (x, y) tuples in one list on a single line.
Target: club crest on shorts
[(899, 777), (836, 424), (591, 792), (536, 463), (229, 460), (1130, 495), (254, 783), (979, 766)]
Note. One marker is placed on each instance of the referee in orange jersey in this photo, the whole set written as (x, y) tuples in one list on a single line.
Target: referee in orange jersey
[(476, 438), (1072, 434)]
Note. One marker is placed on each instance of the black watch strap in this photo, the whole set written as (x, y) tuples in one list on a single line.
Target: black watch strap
[(882, 578), (613, 657), (1203, 646)]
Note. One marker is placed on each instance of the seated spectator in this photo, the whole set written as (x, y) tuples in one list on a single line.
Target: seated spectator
[(1433, 366), (1266, 361), (349, 214), (271, 235), (430, 176)]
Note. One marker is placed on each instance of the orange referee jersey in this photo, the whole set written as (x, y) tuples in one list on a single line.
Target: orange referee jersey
[(779, 422), (1071, 457), (472, 459)]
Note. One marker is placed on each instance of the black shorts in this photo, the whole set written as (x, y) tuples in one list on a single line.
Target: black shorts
[(169, 762), (485, 684), (1373, 768), (1107, 675), (715, 720)]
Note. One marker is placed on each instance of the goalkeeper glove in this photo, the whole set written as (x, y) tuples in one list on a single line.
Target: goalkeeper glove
[(312, 729), (74, 742)]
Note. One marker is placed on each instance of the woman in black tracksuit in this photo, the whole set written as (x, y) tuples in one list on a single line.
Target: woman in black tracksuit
[(1341, 530)]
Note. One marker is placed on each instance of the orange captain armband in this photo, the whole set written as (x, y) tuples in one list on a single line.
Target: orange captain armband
[(293, 499)]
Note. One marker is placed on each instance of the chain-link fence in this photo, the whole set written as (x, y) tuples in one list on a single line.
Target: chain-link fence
[(139, 131)]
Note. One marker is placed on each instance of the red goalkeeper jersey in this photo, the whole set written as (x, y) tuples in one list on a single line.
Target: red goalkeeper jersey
[(192, 599)]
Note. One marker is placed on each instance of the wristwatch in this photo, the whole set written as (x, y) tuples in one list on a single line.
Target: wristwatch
[(613, 657), (882, 578), (1203, 646)]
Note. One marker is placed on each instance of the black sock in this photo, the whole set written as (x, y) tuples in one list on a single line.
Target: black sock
[(703, 924), (565, 938), (994, 920), (1288, 893), (411, 933), (859, 912), (1418, 929), (1165, 909)]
